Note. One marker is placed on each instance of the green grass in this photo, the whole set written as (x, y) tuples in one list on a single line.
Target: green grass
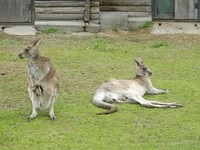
[(50, 30), (147, 25), (83, 64)]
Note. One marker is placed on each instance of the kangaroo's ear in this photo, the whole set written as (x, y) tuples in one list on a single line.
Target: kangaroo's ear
[(138, 61), (36, 42)]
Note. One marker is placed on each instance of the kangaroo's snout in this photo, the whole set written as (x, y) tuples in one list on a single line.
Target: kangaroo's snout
[(20, 56), (150, 73)]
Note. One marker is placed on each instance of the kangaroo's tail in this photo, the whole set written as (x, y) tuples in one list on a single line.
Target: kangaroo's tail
[(98, 101)]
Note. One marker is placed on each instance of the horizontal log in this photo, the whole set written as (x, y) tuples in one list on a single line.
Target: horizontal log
[(126, 8), (95, 21), (94, 16), (64, 0), (64, 16), (59, 3), (64, 10), (125, 2), (58, 0), (59, 16), (94, 10), (64, 3), (59, 10)]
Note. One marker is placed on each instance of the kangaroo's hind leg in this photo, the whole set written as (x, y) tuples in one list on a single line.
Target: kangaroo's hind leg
[(34, 99), (52, 99), (171, 105), (139, 99), (157, 104)]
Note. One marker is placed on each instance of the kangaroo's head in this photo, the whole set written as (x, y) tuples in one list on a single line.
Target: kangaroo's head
[(30, 51), (141, 69)]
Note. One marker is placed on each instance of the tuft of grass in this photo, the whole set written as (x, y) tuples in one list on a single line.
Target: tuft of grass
[(159, 44), (146, 26), (50, 30), (6, 41), (83, 64), (114, 29)]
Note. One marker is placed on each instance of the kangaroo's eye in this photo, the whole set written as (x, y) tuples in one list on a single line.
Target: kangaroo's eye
[(27, 50)]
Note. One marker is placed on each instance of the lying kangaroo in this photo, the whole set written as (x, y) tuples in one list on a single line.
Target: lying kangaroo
[(42, 79), (131, 91)]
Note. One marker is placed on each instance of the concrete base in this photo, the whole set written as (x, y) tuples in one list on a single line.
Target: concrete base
[(64, 26), (176, 28), (1, 28), (137, 21), (67, 26), (20, 30), (111, 20), (123, 20), (93, 28)]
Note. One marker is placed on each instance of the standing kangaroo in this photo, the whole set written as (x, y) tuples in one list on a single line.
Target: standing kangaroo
[(43, 81), (131, 91)]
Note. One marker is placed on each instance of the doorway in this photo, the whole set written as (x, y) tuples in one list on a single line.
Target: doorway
[(16, 11)]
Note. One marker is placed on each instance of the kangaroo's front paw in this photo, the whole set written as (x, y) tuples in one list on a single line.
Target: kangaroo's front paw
[(33, 115), (37, 89), (53, 117), (51, 114), (30, 117)]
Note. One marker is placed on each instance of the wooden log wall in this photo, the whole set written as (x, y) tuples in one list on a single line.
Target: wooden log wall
[(65, 10), (125, 5)]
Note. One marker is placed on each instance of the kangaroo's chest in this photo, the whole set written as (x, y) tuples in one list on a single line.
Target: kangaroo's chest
[(34, 71)]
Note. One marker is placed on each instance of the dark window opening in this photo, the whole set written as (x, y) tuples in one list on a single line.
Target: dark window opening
[(164, 9)]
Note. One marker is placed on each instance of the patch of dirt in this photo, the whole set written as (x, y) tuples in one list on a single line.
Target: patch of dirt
[(141, 35)]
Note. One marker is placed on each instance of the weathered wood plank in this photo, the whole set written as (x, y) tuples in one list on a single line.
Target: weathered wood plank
[(95, 21), (59, 3), (126, 8), (59, 16), (94, 10), (59, 10), (125, 2), (185, 9), (94, 17), (64, 16), (64, 10), (64, 3), (64, 26), (58, 0)]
